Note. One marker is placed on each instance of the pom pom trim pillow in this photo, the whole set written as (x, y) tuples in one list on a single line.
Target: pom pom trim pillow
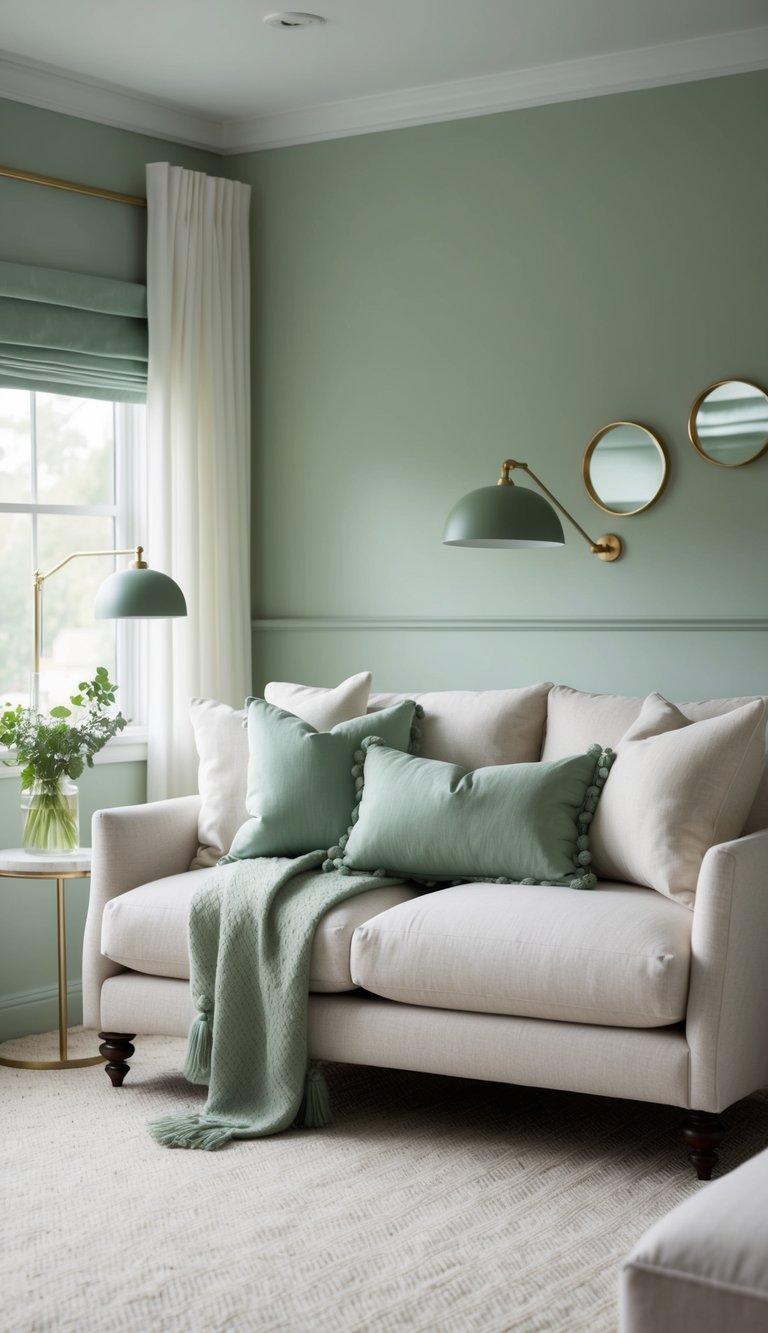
[(508, 823), (677, 789), (300, 783)]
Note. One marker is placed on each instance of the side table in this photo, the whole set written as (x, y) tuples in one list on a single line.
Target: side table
[(18, 864)]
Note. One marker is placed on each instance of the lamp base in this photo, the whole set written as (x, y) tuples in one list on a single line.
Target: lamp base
[(612, 544)]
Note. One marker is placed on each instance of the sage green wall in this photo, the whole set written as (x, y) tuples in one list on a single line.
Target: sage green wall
[(72, 231), (67, 231), (426, 303), (430, 301)]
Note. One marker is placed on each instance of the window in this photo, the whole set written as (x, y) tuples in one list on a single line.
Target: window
[(71, 479)]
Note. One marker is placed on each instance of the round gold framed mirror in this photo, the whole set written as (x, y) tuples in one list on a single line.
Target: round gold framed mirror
[(728, 424), (625, 468)]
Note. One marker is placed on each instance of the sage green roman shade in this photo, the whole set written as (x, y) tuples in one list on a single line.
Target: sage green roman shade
[(72, 333)]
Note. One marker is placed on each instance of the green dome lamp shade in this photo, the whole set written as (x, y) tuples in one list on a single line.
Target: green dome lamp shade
[(503, 516), (139, 593), (515, 517)]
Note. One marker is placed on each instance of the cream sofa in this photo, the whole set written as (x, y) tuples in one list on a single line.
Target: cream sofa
[(621, 991)]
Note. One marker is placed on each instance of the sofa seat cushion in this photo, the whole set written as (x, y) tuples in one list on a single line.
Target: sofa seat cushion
[(146, 929), (617, 955)]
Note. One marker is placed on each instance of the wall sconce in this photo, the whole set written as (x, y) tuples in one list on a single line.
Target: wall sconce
[(514, 516)]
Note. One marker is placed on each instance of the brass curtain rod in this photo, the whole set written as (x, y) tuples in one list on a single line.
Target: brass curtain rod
[(55, 183)]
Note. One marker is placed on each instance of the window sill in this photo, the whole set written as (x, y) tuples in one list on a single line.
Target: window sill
[(127, 748)]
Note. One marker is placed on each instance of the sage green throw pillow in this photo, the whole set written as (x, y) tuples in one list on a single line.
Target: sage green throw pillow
[(300, 785), (516, 823)]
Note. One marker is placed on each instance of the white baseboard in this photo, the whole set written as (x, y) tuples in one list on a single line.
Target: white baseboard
[(25, 1012)]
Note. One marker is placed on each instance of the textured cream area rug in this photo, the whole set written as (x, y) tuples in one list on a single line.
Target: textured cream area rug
[(429, 1204)]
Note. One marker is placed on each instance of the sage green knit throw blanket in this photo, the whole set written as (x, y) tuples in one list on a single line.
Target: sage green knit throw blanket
[(251, 929)]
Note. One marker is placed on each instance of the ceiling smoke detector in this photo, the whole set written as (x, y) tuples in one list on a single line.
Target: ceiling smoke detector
[(293, 18)]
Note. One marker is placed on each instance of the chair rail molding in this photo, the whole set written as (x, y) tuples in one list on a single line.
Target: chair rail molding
[(418, 624)]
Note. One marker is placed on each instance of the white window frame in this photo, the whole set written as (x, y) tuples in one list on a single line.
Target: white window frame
[(129, 512)]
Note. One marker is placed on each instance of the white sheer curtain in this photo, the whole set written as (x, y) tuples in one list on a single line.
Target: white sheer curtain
[(199, 451)]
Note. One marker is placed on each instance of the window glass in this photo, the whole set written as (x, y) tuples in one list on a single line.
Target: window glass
[(15, 446), (75, 450), (70, 480), (15, 607)]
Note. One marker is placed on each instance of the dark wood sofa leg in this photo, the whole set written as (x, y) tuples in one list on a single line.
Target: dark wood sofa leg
[(117, 1049), (703, 1132)]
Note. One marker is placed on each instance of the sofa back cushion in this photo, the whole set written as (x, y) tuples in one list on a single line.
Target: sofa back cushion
[(677, 788), (575, 719), (222, 748), (477, 728)]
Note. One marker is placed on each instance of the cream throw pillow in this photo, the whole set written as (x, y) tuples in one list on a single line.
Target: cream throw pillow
[(222, 747), (676, 789), (323, 709)]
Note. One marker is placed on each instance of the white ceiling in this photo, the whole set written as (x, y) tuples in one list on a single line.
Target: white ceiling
[(210, 71)]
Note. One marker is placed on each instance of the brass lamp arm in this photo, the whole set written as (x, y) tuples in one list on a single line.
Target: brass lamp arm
[(138, 563), (39, 580), (607, 547)]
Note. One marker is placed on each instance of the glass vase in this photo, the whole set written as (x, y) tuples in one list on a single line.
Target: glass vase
[(50, 815)]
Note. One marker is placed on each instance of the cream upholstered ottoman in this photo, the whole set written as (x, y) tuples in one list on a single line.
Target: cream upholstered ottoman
[(704, 1267)]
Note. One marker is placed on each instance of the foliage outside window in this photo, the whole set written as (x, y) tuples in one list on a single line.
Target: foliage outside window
[(69, 469)]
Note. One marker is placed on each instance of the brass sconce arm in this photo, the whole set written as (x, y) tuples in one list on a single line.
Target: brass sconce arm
[(608, 547)]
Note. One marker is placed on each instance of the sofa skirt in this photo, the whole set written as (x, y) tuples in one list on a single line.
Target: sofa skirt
[(643, 1064)]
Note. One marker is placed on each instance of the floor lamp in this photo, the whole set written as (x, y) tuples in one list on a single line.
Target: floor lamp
[(137, 592)]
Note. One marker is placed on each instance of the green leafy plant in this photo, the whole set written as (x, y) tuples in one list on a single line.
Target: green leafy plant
[(51, 747)]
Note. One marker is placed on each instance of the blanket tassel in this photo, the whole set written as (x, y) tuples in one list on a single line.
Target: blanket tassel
[(315, 1109), (197, 1067), (189, 1131)]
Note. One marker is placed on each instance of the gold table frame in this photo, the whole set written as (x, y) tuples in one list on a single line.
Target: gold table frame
[(60, 876)]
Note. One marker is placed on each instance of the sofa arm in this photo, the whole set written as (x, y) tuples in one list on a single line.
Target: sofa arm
[(727, 1022), (132, 845)]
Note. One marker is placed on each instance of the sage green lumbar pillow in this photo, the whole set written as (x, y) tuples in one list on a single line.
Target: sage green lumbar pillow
[(524, 823), (300, 786)]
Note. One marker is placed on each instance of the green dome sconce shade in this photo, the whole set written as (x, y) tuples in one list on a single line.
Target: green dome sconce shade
[(512, 516)]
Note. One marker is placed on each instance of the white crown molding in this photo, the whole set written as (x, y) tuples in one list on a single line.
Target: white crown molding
[(71, 95), (570, 80)]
